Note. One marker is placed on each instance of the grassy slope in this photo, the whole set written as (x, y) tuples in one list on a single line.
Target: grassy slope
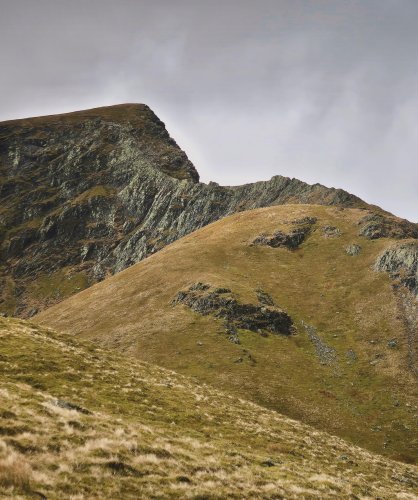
[(145, 432), (369, 400)]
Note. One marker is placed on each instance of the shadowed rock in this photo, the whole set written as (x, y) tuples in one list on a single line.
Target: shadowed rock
[(291, 240), (264, 298), (236, 315)]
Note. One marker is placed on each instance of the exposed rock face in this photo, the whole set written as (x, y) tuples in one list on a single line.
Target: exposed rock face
[(374, 226), (87, 194), (220, 304), (401, 262), (290, 240)]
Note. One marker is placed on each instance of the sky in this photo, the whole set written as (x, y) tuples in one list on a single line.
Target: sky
[(322, 90)]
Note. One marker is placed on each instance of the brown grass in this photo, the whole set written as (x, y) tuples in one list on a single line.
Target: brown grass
[(151, 433), (15, 472)]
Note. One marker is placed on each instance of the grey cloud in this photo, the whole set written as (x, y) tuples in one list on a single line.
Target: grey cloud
[(322, 90)]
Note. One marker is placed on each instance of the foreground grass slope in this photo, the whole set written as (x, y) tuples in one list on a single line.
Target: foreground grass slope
[(78, 421), (347, 370)]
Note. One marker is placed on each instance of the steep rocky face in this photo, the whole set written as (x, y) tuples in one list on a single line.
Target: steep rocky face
[(374, 226), (87, 194), (401, 262)]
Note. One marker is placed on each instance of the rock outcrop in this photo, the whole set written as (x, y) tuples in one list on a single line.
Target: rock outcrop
[(86, 194), (401, 262), (221, 303), (290, 240)]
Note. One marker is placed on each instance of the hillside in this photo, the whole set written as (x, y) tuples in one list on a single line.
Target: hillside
[(78, 421), (307, 310), (86, 194)]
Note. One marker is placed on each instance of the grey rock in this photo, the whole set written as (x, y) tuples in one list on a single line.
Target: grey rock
[(400, 261), (291, 240), (268, 463), (100, 190), (222, 290), (353, 249), (351, 355), (331, 232), (199, 286), (374, 226), (32, 312), (326, 354), (235, 314), (71, 406), (304, 221)]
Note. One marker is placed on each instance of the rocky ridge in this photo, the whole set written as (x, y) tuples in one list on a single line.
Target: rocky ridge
[(87, 194)]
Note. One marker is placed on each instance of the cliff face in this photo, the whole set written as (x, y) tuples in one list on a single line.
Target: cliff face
[(86, 194)]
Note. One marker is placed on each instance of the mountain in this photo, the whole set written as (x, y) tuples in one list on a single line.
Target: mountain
[(86, 194), (78, 421), (304, 309)]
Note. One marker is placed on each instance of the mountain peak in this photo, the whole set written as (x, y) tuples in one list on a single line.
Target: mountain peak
[(117, 127), (86, 194)]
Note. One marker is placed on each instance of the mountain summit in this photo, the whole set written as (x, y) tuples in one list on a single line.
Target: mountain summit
[(86, 194)]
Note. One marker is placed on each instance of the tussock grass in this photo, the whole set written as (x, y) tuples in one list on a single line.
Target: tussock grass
[(15, 472), (147, 432)]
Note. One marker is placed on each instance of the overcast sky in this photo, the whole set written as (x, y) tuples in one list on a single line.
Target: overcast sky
[(321, 90)]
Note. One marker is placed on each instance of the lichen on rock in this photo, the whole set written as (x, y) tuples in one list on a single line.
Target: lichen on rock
[(400, 261)]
